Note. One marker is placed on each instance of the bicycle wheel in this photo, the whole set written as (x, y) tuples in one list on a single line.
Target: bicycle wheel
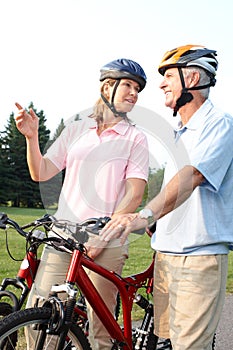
[(5, 309), (12, 331)]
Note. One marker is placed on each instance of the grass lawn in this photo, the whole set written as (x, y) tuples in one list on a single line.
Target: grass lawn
[(139, 250)]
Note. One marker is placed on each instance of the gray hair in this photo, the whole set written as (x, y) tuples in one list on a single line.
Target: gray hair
[(204, 79)]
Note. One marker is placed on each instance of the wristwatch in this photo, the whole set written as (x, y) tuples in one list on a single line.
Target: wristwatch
[(147, 213)]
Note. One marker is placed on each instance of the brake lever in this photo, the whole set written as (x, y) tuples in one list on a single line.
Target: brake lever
[(151, 228), (3, 220), (82, 233), (100, 223)]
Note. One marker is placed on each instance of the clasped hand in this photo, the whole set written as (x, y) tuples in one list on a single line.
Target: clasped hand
[(121, 226)]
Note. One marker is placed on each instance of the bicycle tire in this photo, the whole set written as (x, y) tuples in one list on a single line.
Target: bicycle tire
[(12, 330), (5, 309)]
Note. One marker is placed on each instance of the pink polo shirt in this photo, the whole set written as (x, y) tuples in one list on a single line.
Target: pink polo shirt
[(97, 167)]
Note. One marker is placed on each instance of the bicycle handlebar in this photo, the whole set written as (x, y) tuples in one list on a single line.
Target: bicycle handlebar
[(4, 220), (91, 226), (46, 219), (81, 234)]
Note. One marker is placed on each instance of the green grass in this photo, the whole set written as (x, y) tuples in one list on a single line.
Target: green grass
[(140, 252), (139, 249), (16, 243)]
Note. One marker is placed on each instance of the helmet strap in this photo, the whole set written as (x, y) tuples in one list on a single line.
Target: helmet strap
[(185, 96), (111, 105)]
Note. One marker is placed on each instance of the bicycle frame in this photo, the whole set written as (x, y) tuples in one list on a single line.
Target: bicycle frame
[(76, 274), (127, 287), (23, 280)]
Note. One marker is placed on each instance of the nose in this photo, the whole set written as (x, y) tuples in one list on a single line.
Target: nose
[(134, 91), (162, 84)]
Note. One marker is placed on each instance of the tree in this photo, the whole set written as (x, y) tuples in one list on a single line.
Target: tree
[(21, 190), (59, 130), (50, 190), (4, 174), (154, 184)]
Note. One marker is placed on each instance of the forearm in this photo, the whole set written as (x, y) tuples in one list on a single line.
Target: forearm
[(40, 168), (176, 192), (133, 197), (34, 158)]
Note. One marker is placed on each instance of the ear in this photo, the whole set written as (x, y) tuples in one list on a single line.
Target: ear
[(106, 90), (194, 79)]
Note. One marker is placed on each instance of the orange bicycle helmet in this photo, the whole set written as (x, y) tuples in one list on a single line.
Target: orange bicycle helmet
[(187, 56), (190, 55)]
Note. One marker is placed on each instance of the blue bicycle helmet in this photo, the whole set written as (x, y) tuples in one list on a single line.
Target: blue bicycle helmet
[(124, 69), (121, 69)]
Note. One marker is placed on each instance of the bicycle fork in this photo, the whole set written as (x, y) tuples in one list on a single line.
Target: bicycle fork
[(61, 317)]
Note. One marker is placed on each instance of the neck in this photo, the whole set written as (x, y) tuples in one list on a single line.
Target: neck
[(109, 120), (187, 111)]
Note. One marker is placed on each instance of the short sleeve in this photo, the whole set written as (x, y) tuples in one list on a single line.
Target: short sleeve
[(138, 163), (58, 151), (212, 154)]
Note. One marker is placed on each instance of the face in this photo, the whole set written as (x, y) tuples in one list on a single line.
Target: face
[(171, 85), (126, 95)]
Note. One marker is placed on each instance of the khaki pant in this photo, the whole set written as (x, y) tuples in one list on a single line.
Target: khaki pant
[(189, 294), (52, 270)]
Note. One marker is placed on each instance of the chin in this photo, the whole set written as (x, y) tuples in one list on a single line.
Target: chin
[(169, 104), (129, 108)]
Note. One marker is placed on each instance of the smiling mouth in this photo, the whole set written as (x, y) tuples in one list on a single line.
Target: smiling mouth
[(130, 101)]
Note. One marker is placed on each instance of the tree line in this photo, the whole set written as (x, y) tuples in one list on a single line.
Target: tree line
[(17, 189)]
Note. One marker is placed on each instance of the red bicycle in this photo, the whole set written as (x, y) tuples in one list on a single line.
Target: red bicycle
[(11, 301), (59, 319)]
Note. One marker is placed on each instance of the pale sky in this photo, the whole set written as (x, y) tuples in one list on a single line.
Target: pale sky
[(52, 50)]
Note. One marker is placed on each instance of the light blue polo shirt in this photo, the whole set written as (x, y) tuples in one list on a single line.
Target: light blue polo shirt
[(204, 223)]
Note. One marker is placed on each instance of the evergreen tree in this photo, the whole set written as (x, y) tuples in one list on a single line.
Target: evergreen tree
[(59, 129), (4, 174), (21, 190), (50, 190)]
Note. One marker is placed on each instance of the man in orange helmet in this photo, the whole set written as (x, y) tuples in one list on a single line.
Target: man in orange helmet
[(194, 210)]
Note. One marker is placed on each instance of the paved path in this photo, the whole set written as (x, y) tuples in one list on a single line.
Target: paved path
[(224, 339)]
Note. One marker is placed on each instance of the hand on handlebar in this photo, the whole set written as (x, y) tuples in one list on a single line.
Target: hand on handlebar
[(121, 226)]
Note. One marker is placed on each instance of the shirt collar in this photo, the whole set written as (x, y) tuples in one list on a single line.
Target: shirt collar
[(197, 118), (120, 128)]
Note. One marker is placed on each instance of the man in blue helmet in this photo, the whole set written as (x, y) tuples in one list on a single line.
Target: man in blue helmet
[(106, 173), (194, 210)]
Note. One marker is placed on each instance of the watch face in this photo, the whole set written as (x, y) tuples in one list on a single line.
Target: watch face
[(146, 213)]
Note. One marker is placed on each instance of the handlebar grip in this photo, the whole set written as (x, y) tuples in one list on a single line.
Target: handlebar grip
[(3, 220), (93, 229), (152, 227), (45, 219)]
